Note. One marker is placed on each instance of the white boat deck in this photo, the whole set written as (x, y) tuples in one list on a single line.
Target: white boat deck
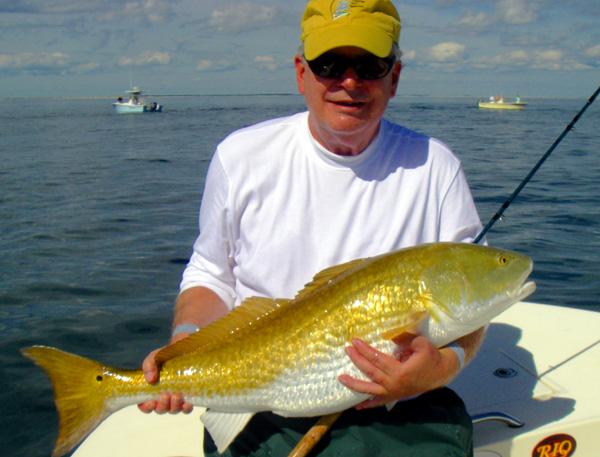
[(553, 355), (550, 359)]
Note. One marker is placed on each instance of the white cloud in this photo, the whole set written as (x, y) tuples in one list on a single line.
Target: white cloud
[(155, 11), (207, 65), (204, 65), (48, 7), (516, 58), (266, 63), (242, 16), (556, 60), (44, 63), (37, 61), (146, 58), (86, 67), (551, 59), (447, 52), (521, 59), (99, 10), (517, 11), (474, 20), (409, 56), (593, 51)]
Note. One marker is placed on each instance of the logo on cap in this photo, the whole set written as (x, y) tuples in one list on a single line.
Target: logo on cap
[(342, 9)]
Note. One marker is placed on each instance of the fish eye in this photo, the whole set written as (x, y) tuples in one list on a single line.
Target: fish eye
[(503, 260), (99, 378)]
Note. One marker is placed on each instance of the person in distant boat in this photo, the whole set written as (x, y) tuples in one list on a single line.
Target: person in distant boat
[(289, 197), (120, 99)]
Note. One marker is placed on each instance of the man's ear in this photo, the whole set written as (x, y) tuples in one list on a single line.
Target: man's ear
[(396, 77), (300, 67)]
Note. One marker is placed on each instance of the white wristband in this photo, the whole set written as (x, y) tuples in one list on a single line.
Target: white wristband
[(184, 328), (460, 353)]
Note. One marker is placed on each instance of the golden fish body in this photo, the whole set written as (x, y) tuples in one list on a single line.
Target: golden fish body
[(285, 355)]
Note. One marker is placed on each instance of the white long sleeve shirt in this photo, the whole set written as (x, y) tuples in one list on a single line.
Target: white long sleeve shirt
[(278, 208)]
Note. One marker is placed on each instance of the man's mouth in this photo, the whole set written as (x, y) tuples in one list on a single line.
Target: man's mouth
[(348, 103)]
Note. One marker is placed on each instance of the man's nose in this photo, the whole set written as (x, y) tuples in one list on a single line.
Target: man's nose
[(350, 79)]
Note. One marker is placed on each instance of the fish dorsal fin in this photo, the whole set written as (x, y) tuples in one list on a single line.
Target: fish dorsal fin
[(224, 427), (328, 275), (252, 313)]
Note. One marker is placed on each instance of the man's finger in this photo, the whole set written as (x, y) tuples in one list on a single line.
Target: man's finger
[(163, 404), (373, 363), (364, 387), (150, 368), (187, 407), (176, 404), (380, 359), (365, 366), (147, 407), (372, 403)]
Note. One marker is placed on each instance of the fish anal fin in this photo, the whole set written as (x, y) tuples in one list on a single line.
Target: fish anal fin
[(252, 313), (224, 427), (408, 330)]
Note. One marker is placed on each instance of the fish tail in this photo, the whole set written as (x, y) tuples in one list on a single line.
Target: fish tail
[(79, 400)]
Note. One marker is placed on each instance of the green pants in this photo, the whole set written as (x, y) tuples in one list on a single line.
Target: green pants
[(434, 424)]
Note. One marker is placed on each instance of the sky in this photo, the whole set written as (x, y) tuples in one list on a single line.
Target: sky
[(472, 48)]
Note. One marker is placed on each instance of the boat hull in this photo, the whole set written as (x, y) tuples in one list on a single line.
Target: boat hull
[(127, 108), (501, 106)]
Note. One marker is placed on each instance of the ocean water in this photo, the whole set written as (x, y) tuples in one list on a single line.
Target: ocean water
[(98, 213)]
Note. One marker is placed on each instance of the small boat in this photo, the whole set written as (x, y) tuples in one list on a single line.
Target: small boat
[(496, 102), (531, 391), (135, 103)]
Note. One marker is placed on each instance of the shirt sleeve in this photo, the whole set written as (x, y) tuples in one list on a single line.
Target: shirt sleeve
[(211, 262), (459, 218)]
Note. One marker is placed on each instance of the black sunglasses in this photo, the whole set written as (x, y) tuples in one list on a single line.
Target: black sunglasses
[(367, 66)]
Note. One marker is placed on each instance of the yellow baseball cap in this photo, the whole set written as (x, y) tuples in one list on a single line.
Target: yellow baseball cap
[(373, 25)]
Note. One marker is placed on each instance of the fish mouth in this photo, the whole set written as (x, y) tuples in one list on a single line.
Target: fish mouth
[(518, 294), (527, 287), (501, 303), (526, 290)]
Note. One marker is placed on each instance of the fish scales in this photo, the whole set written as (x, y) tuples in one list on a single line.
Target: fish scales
[(285, 355), (304, 343), (348, 309)]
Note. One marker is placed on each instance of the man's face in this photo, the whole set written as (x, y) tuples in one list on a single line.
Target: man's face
[(345, 111)]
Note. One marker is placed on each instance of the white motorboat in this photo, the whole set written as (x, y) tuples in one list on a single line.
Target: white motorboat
[(532, 391), (135, 103)]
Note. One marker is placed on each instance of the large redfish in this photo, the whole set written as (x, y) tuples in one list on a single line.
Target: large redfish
[(285, 355)]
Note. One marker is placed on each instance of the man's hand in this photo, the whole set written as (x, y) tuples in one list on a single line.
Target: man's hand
[(417, 367), (167, 402), (197, 305)]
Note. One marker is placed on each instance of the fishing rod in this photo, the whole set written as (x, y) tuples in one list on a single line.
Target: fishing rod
[(540, 162)]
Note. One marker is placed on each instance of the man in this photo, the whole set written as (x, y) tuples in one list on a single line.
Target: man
[(288, 197)]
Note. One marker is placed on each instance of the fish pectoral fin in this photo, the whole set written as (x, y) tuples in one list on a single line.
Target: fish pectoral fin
[(410, 326), (224, 427)]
